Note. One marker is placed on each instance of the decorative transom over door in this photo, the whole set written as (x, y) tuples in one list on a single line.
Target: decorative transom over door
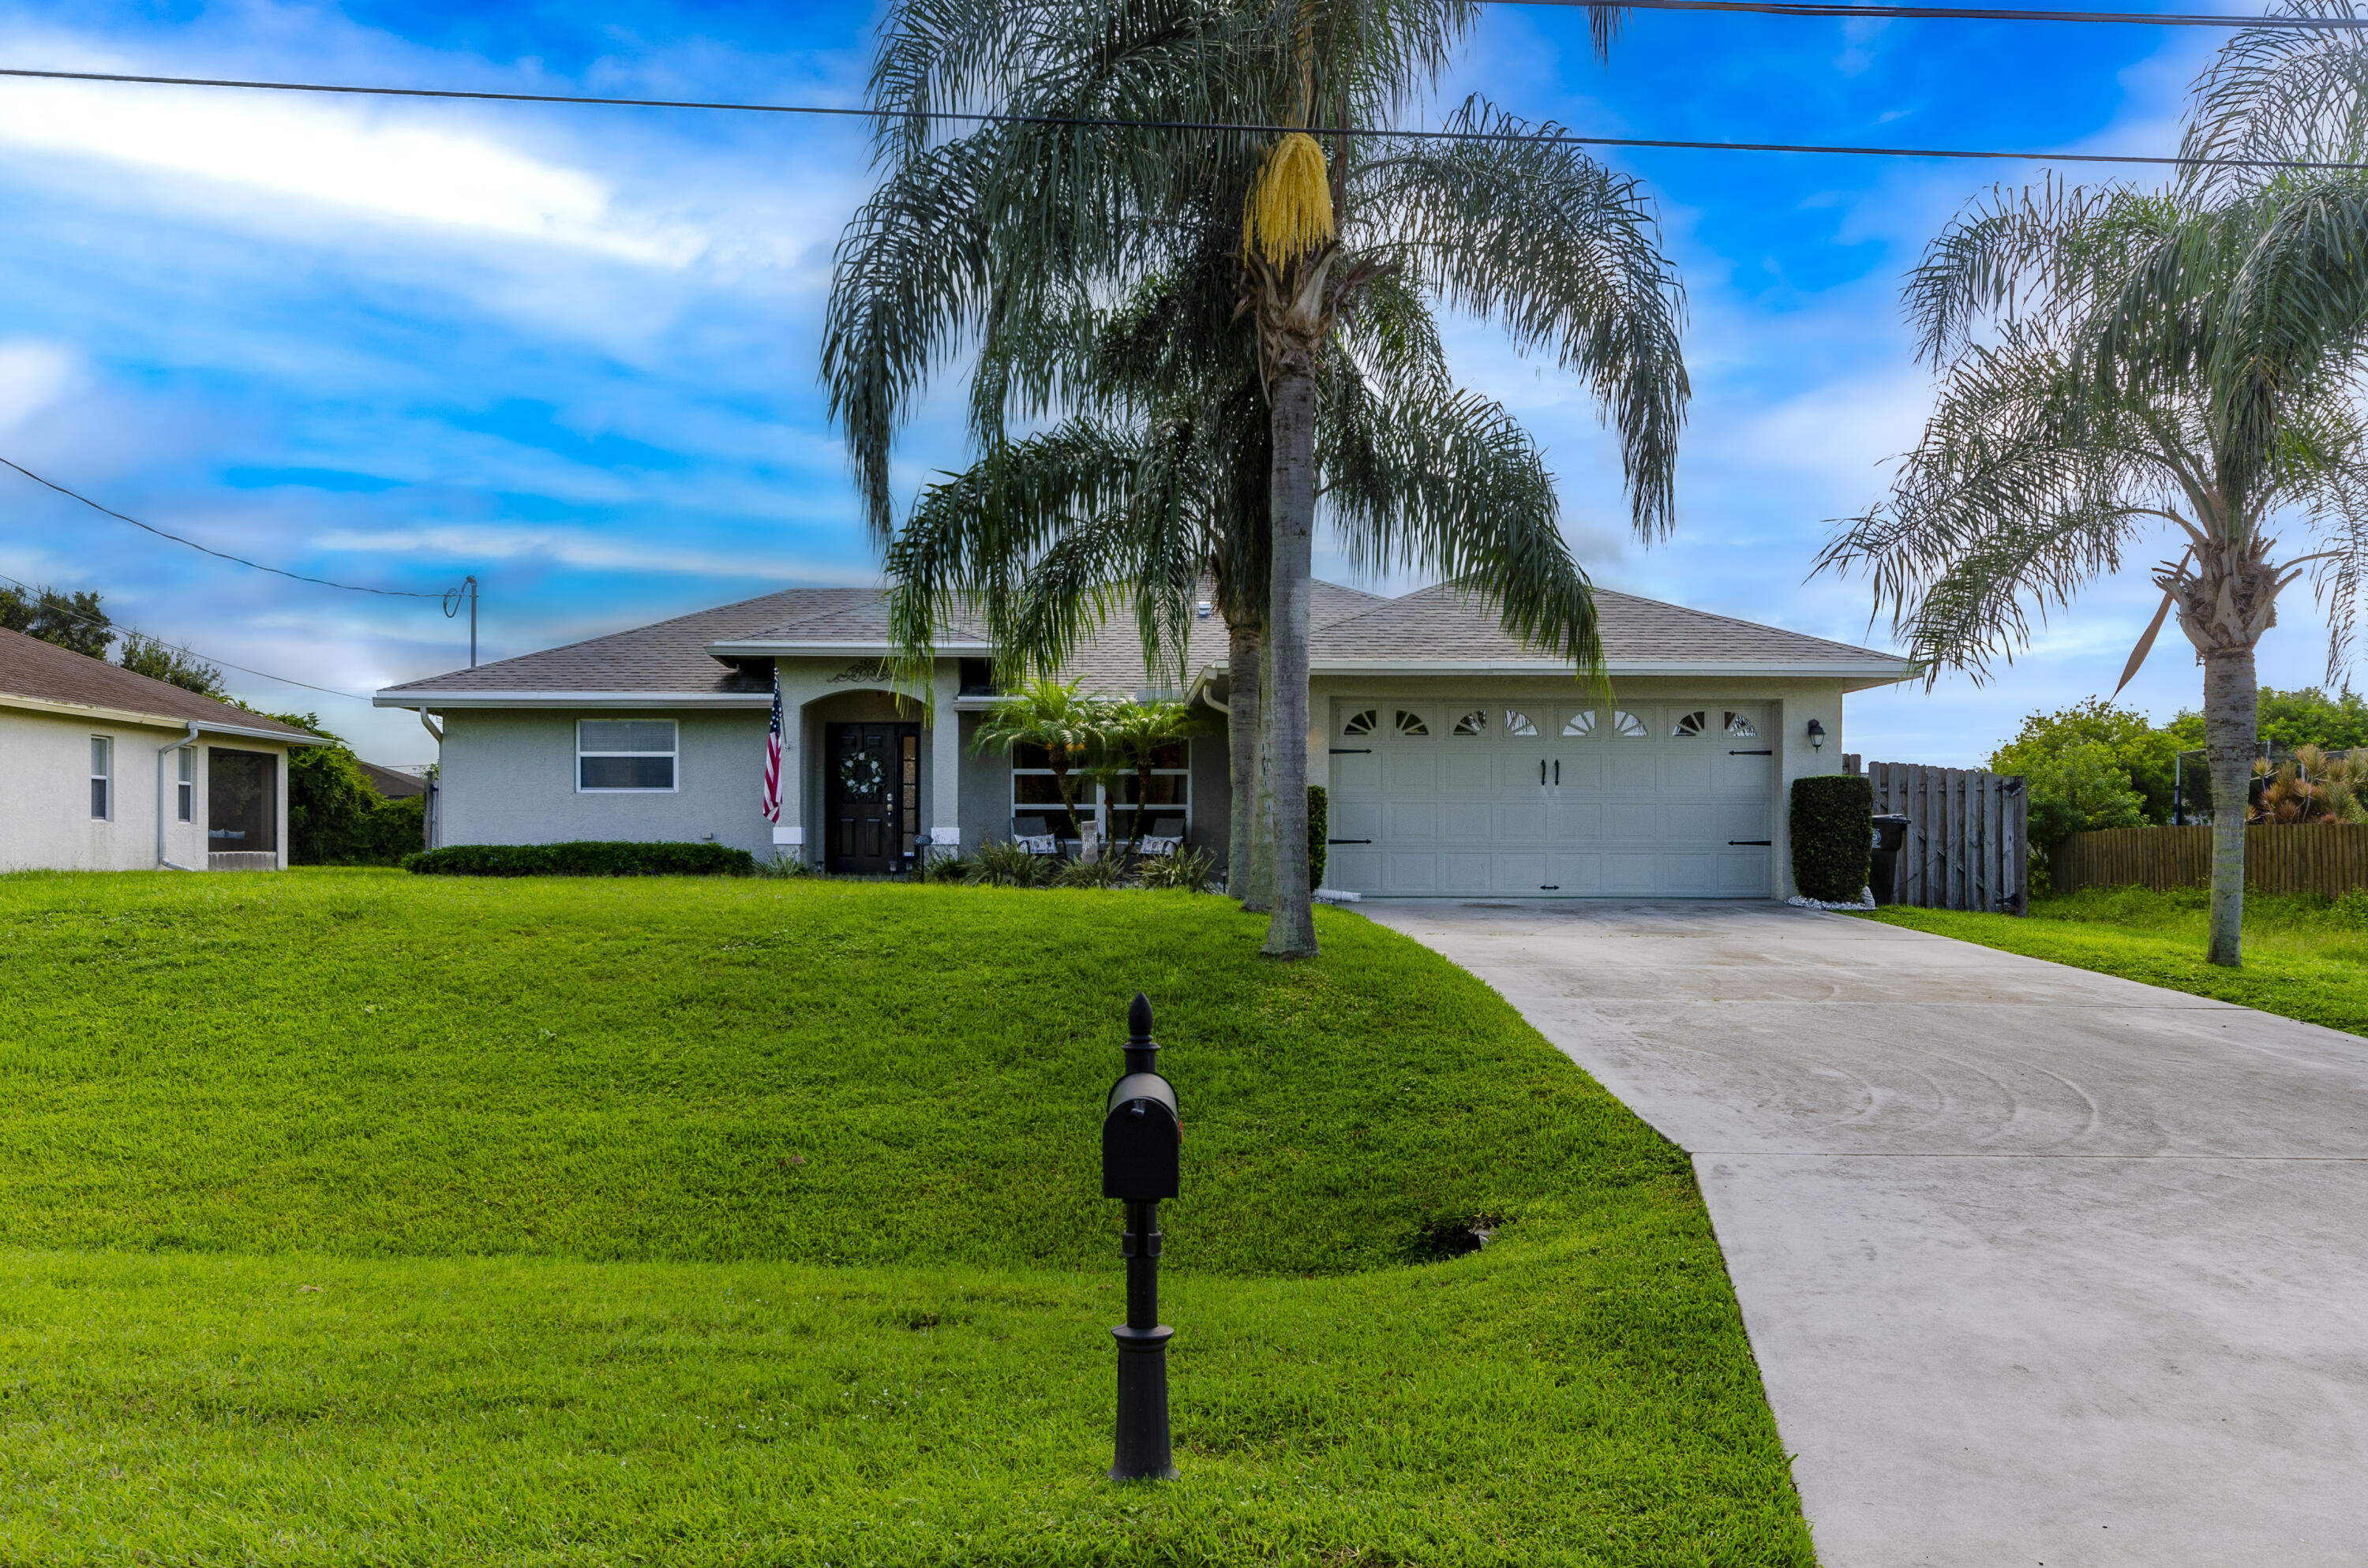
[(873, 809), (1517, 796)]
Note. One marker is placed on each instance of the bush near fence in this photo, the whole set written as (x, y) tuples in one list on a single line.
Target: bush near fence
[(2327, 859)]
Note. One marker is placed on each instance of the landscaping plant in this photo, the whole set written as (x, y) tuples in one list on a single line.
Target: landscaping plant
[(1002, 864), (1065, 725), (1833, 836), (583, 858), (1194, 870)]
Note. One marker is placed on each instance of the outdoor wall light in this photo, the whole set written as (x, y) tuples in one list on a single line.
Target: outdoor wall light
[(1816, 734)]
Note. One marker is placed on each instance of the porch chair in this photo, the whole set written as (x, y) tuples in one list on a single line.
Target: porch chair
[(1165, 837), (1035, 835)]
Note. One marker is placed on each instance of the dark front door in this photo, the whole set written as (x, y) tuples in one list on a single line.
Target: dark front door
[(874, 797)]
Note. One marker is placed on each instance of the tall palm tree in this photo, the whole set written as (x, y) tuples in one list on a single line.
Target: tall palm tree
[(999, 240), (2182, 357), (1123, 507)]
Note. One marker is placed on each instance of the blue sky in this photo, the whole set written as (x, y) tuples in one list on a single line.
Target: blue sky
[(573, 350)]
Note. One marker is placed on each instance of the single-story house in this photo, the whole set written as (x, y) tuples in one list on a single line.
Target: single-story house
[(105, 770), (1459, 760)]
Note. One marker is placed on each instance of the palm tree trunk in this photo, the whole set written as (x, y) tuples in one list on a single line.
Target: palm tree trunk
[(2230, 722), (1257, 891), (1242, 656), (1291, 931)]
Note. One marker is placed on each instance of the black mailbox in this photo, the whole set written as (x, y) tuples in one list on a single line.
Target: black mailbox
[(1141, 1139)]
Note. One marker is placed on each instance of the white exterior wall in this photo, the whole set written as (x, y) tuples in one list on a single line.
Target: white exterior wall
[(1791, 704), (45, 820)]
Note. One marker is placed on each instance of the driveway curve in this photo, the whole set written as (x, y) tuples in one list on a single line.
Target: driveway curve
[(2040, 1266)]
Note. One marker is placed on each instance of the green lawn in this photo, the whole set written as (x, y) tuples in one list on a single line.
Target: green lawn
[(2304, 957), (350, 1217)]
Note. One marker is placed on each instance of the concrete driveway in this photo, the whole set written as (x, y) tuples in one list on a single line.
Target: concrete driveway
[(2041, 1266)]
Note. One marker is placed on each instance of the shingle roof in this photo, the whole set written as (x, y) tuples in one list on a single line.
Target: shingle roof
[(1442, 625), (44, 672), (391, 782), (1434, 626), (669, 656)]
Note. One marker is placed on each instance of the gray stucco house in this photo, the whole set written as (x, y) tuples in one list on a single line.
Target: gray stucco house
[(1459, 760)]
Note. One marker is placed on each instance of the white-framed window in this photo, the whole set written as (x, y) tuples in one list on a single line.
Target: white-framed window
[(186, 791), (1579, 725), (1519, 724), (1170, 807), (102, 778), (1036, 796), (625, 755), (1627, 726)]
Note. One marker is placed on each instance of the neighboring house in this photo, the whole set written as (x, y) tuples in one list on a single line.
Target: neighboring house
[(105, 770), (395, 783), (1460, 761)]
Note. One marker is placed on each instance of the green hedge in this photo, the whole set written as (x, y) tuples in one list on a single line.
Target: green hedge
[(581, 858), (1833, 835), (1319, 833)]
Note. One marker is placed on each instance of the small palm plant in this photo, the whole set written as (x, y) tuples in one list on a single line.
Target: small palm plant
[(1064, 722), (1134, 738)]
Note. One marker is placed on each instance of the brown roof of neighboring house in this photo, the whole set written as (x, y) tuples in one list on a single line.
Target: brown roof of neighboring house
[(391, 782), (1350, 629), (44, 672)]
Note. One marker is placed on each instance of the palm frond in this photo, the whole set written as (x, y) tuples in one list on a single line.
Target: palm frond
[(1562, 254)]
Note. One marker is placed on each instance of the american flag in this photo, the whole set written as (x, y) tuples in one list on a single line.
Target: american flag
[(772, 807)]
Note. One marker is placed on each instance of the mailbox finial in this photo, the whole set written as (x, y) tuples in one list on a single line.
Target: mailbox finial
[(1142, 1051)]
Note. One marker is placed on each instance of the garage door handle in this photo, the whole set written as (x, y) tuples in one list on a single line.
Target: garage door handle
[(1348, 841), (1752, 754), (1352, 751), (1541, 770), (1752, 843), (1557, 772)]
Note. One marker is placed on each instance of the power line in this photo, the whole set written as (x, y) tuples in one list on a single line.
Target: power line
[(1086, 122), (55, 608), (1959, 12), (207, 549)]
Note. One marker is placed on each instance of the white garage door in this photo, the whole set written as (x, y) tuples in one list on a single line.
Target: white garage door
[(1646, 799)]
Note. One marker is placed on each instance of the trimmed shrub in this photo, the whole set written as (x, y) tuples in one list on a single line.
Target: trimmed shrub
[(1833, 835), (583, 858), (1319, 833)]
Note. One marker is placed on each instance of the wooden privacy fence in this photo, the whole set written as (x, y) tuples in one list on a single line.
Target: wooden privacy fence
[(2322, 858), (1968, 842)]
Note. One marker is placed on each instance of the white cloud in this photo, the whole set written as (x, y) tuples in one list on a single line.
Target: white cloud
[(371, 159), (34, 376)]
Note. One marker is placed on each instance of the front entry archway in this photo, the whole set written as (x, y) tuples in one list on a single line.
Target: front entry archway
[(871, 813)]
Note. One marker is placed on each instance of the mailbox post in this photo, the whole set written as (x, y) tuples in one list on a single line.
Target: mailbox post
[(1141, 1140)]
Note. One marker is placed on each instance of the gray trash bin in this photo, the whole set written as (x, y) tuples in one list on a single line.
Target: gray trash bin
[(1890, 834)]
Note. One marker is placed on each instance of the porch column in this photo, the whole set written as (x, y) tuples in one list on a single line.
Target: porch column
[(789, 833), (945, 756)]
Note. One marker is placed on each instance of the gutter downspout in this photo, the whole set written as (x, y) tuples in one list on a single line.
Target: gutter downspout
[(162, 753), (428, 810)]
